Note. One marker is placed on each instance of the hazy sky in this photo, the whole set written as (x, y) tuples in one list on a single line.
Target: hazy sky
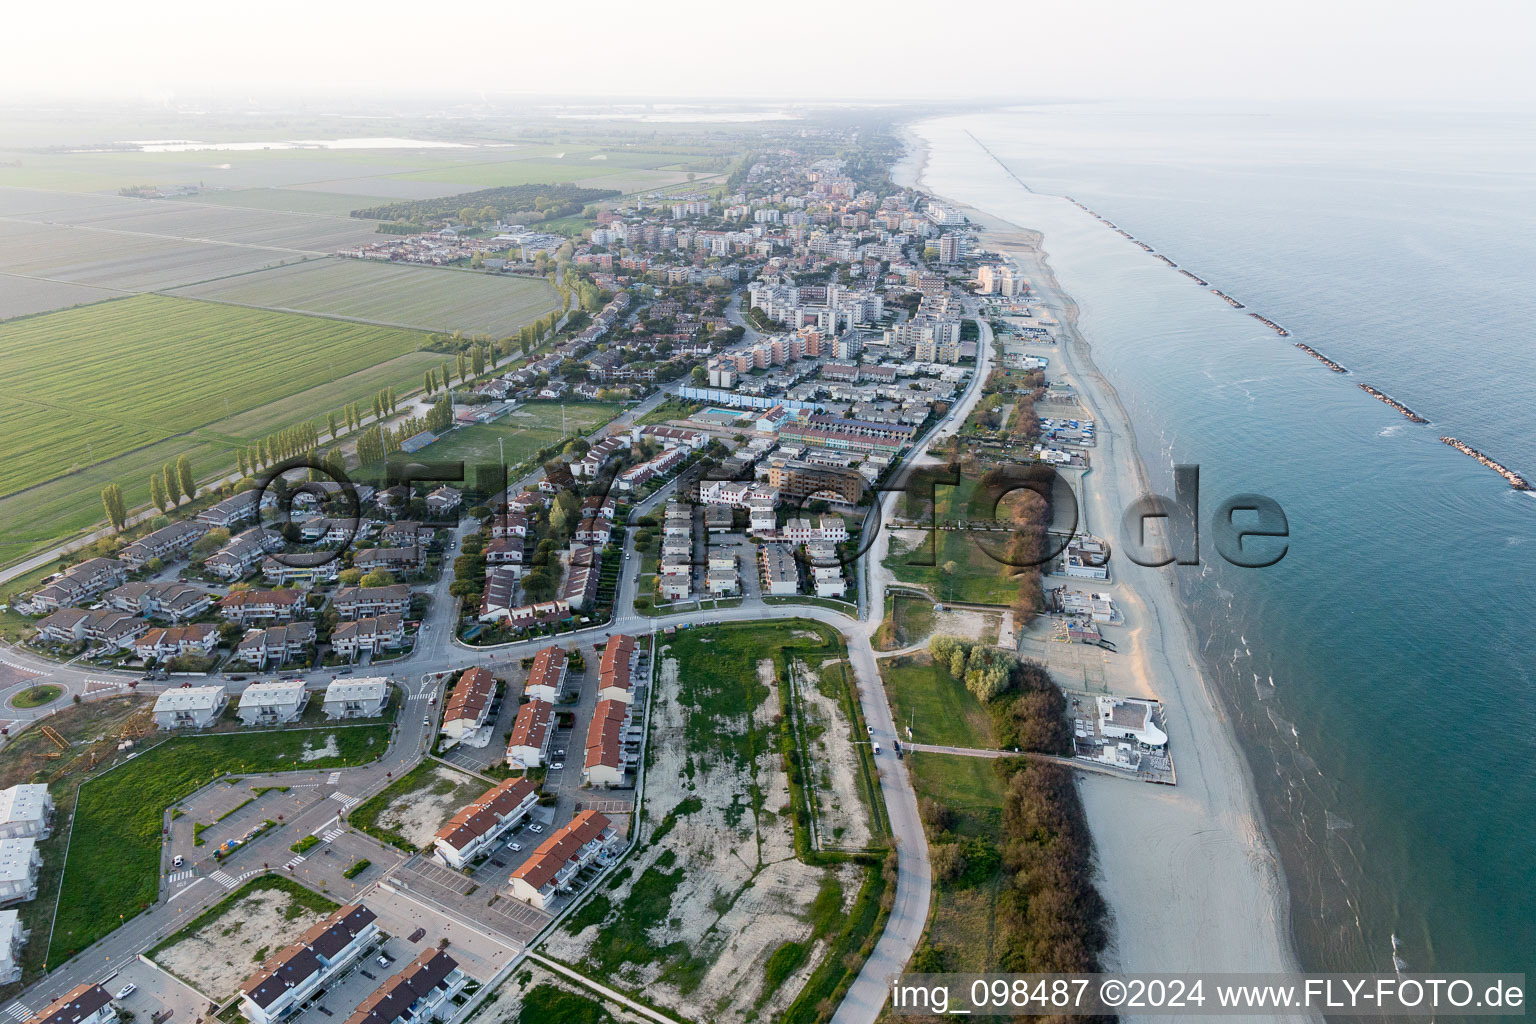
[(792, 49)]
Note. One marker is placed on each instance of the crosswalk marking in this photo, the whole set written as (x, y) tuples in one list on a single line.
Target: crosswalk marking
[(17, 1012), (335, 778), (225, 879), (332, 834), (180, 876), (295, 862), (20, 668), (346, 801)]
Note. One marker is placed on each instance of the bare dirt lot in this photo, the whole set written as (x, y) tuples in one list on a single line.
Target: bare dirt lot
[(717, 892), (418, 814), (219, 956)]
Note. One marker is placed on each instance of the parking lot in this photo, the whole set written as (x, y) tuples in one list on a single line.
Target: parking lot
[(157, 995)]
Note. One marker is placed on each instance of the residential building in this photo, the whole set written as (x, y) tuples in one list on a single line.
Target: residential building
[(296, 973), (616, 667), (12, 938), (469, 704), (262, 605), (407, 533), (190, 707), (474, 830), (1126, 718), (242, 553), (780, 573), (81, 583), (102, 628), (26, 811), (588, 838), (276, 703), (406, 559), (165, 543), (594, 530), (19, 865), (275, 645), (1086, 559), (796, 478), (606, 760), (424, 991), (199, 639), (306, 569), (444, 500), (231, 511), (175, 602), (83, 1004), (362, 602), (675, 586), (546, 679), (356, 698), (368, 636), (532, 731)]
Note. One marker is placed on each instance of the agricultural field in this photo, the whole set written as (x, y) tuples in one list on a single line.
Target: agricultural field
[(114, 852), (935, 705), (300, 233), (524, 431), (287, 200), (24, 296), (425, 298), (410, 810), (220, 948), (729, 911), (164, 377)]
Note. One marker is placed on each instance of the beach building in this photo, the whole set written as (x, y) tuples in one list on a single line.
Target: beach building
[(469, 705), (190, 707), (588, 838), (26, 811), (83, 1004), (424, 991), (546, 679), (532, 731), (276, 703), (472, 832), (1126, 718), (12, 937), (1086, 559), (356, 698), (288, 979)]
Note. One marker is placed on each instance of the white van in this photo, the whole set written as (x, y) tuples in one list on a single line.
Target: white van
[(877, 748)]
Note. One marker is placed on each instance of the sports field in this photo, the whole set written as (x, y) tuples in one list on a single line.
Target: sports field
[(428, 298), (532, 426), (110, 392)]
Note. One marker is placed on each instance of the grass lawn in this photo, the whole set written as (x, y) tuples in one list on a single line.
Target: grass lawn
[(114, 851), (938, 707), (427, 298), (964, 921), (909, 620), (37, 696), (978, 577)]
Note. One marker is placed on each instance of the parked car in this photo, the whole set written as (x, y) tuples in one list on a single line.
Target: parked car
[(426, 720), (127, 990), (556, 766), (535, 828), (515, 847), (178, 861), (383, 960)]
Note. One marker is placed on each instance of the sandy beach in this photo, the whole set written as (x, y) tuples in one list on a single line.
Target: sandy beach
[(1189, 874)]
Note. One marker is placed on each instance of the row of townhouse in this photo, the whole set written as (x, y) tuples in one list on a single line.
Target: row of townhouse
[(826, 568), (175, 602), (587, 839), (231, 512), (306, 569), (81, 583), (297, 973), (472, 832), (546, 677), (402, 559), (510, 522), (599, 455), (84, 1004), (275, 645), (197, 639), (165, 543), (243, 553), (532, 731), (505, 551), (721, 578), (244, 606), (20, 862), (424, 991), (747, 494), (469, 705), (371, 635), (102, 627), (612, 750), (582, 578), (364, 602), (674, 570), (26, 810), (779, 572)]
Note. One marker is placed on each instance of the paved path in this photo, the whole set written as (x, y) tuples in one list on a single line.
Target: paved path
[(603, 990)]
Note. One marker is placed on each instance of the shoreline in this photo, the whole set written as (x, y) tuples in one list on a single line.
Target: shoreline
[(1191, 876)]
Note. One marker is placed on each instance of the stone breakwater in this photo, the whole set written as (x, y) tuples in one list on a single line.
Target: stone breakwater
[(1516, 481)]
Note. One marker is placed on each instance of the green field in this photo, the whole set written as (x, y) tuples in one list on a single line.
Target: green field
[(110, 392), (533, 426), (964, 921), (978, 577), (113, 868), (428, 298), (283, 200), (935, 704)]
